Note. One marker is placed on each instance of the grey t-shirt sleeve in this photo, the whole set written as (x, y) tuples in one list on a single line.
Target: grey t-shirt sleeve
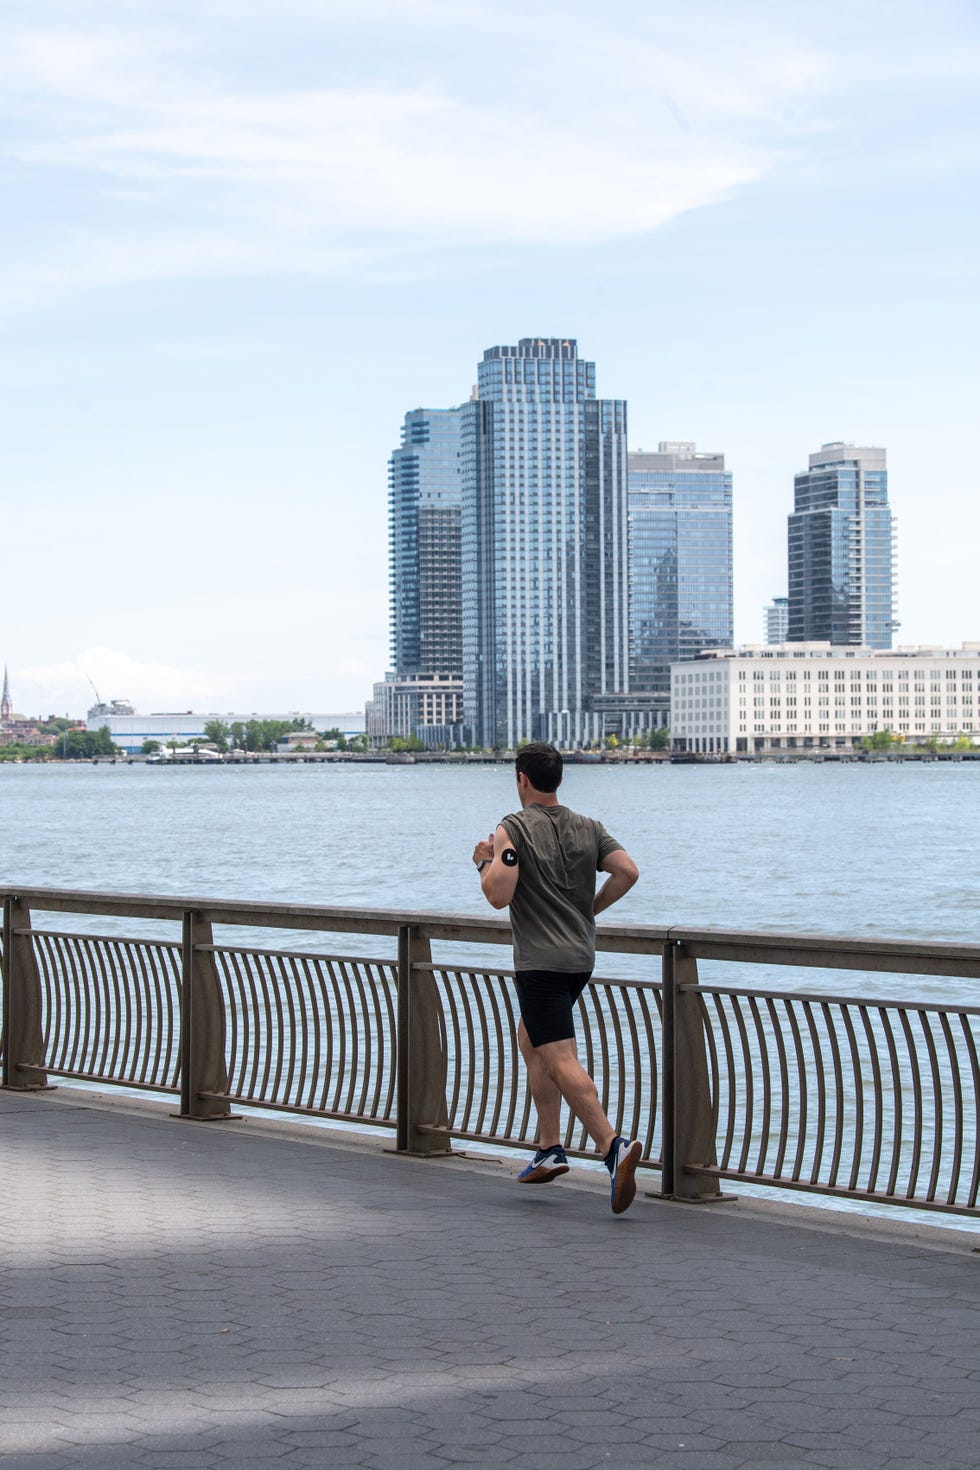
[(605, 845)]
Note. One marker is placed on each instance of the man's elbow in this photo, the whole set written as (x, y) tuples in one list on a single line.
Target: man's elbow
[(496, 900), (630, 872)]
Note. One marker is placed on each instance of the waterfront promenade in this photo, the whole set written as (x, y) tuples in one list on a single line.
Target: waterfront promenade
[(244, 1293)]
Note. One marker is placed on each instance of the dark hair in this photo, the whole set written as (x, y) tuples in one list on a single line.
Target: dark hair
[(541, 764)]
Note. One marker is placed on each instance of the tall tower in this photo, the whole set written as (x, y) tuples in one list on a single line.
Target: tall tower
[(775, 620), (6, 705), (680, 522), (544, 546), (841, 559), (424, 528)]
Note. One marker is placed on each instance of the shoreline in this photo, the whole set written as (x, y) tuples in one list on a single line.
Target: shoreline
[(505, 758)]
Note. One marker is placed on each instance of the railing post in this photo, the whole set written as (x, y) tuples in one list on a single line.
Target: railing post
[(203, 1069), (422, 1120), (667, 1071), (689, 1139), (23, 1041)]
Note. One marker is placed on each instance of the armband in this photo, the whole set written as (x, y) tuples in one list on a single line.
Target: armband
[(509, 857)]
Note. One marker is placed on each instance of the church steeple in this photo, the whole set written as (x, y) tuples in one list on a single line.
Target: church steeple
[(6, 708)]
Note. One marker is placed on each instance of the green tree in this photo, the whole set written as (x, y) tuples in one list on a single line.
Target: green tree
[(217, 733), (86, 744), (880, 740), (405, 742), (150, 747)]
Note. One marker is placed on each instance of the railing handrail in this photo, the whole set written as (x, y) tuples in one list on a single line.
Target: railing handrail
[(830, 951)]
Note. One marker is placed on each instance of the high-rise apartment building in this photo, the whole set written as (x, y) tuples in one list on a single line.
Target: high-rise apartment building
[(544, 546), (841, 563), (680, 529), (775, 619), (424, 538)]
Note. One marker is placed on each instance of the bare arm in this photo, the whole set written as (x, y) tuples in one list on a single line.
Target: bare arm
[(499, 878), (623, 873)]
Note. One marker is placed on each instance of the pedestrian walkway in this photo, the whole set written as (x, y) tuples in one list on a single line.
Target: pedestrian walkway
[(248, 1294)]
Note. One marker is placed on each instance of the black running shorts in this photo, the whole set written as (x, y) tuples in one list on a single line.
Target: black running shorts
[(547, 1000)]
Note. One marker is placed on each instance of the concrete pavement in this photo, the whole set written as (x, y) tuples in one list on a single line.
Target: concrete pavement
[(245, 1294)]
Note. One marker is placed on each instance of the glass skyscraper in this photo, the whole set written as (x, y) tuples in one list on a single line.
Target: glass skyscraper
[(841, 565), (424, 539), (680, 580), (544, 546)]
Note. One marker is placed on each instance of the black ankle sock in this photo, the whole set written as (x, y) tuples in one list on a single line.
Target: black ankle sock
[(610, 1158)]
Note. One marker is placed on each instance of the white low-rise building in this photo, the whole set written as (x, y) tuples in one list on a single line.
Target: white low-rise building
[(179, 729), (795, 696)]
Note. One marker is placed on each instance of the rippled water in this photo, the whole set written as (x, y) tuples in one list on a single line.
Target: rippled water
[(861, 849)]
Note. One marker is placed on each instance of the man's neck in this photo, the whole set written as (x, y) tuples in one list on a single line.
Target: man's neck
[(541, 798)]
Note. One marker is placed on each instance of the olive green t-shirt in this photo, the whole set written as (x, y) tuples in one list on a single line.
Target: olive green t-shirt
[(551, 912)]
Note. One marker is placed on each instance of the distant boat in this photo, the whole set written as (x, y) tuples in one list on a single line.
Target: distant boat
[(399, 758)]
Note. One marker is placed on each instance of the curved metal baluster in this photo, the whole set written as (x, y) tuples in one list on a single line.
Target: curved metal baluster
[(879, 1100), (452, 981), (363, 1069), (321, 1026), (117, 1008), (480, 1043), (274, 1027), (340, 1022), (898, 1101), (251, 1023), (818, 1144), (958, 1112), (612, 1061), (300, 981), (502, 1056), (80, 1025), (838, 1093), (916, 1079), (938, 1119), (971, 1050), (388, 991), (858, 1075), (290, 1053), (372, 975), (802, 1092), (765, 1125), (726, 1035), (777, 1032), (748, 1115)]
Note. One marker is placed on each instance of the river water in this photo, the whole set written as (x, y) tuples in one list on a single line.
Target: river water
[(861, 849)]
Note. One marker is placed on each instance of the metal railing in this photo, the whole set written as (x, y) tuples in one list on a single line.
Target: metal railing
[(855, 1096)]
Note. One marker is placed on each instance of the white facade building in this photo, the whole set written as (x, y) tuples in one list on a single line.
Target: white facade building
[(815, 696)]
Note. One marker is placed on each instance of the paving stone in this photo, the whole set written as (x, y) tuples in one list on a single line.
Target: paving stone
[(255, 1296)]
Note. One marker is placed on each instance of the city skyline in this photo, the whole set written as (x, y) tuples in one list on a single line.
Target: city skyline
[(233, 264)]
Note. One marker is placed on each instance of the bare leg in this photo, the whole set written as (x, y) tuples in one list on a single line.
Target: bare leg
[(560, 1064), (544, 1091)]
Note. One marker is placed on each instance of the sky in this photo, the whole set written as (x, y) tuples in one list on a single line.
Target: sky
[(241, 240)]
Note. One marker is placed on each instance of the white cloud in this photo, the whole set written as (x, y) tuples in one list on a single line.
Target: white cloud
[(188, 169)]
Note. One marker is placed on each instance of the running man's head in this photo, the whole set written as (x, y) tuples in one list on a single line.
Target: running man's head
[(541, 767)]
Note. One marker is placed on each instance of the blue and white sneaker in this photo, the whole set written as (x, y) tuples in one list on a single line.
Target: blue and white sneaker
[(621, 1161), (547, 1164)]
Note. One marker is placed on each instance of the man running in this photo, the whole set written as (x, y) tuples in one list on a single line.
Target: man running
[(542, 862)]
